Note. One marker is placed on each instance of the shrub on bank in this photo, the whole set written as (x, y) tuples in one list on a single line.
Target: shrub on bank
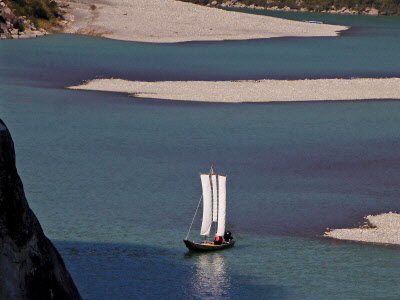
[(19, 25)]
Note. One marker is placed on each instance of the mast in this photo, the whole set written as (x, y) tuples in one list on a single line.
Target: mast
[(221, 205)]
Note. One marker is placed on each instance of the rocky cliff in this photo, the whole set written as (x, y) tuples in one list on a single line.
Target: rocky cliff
[(30, 266), (14, 27)]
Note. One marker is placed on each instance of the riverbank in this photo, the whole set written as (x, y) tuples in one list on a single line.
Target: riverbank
[(295, 6), (382, 228), (253, 90), (168, 21)]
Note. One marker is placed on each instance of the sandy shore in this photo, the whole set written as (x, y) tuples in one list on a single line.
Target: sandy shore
[(174, 21), (253, 90), (383, 228)]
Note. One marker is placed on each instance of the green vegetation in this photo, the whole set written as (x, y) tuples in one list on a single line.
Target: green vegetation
[(43, 13), (19, 25), (385, 7)]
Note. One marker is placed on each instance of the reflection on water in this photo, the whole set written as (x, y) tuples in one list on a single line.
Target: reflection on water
[(210, 277)]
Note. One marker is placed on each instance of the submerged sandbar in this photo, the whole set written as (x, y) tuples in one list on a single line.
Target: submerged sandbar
[(382, 228), (253, 90)]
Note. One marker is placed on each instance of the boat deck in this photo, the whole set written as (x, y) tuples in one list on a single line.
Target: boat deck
[(207, 245)]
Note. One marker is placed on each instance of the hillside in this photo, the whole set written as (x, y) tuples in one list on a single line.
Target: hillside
[(374, 7)]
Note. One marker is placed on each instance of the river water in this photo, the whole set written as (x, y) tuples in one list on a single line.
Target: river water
[(114, 179)]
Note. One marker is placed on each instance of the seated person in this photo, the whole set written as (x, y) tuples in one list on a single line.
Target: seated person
[(228, 236), (217, 240)]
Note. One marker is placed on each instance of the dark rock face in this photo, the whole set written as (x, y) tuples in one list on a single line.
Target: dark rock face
[(30, 266)]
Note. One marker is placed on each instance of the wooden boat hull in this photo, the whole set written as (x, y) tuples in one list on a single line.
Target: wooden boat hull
[(207, 246)]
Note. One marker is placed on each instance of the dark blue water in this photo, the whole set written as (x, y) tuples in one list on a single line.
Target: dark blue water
[(114, 180), (370, 49)]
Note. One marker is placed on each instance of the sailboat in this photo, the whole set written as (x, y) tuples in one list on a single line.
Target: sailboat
[(214, 211)]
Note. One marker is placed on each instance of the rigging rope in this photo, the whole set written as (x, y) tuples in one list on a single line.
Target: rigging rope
[(198, 205)]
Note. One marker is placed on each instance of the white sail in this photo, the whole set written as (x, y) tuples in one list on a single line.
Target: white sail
[(221, 205), (207, 204), (215, 197)]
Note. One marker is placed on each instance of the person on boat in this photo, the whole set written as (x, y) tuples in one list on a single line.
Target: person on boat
[(218, 240), (228, 236)]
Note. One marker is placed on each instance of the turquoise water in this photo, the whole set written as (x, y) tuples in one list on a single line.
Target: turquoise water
[(114, 180), (364, 21)]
